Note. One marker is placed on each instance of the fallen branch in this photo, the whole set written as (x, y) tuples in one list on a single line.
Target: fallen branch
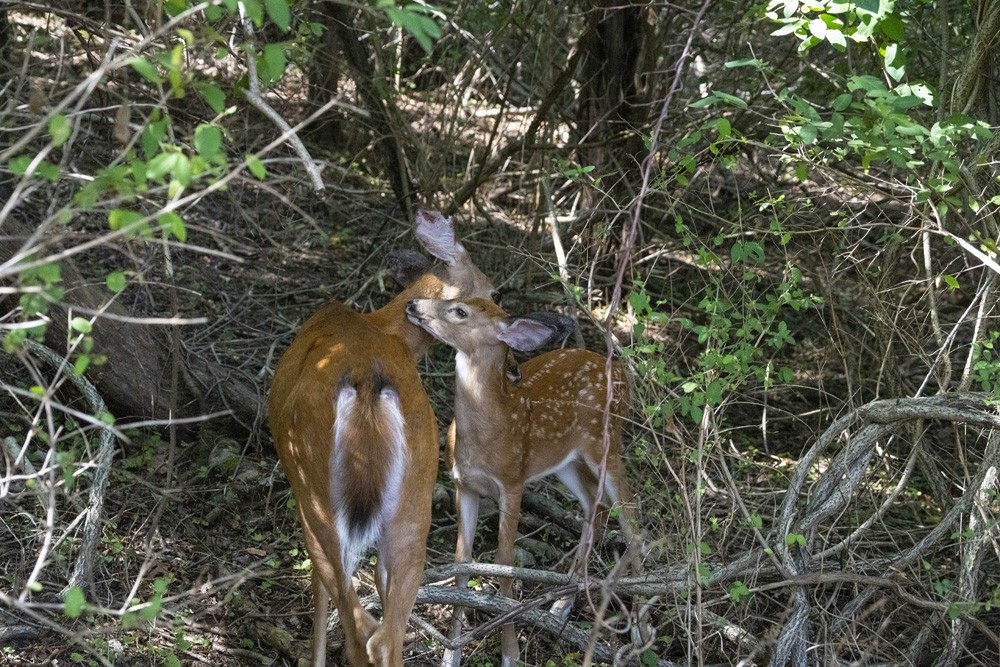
[(836, 486), (650, 583), (83, 568), (505, 610)]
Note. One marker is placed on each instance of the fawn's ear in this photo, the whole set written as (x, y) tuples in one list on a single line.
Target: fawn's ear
[(437, 235), (525, 334), (406, 266), (561, 325)]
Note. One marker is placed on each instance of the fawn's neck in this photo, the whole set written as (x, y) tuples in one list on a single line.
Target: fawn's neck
[(485, 399)]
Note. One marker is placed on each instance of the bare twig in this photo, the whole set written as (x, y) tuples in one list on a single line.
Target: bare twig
[(254, 97)]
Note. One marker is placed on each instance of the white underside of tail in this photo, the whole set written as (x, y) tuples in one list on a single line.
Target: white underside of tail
[(354, 543)]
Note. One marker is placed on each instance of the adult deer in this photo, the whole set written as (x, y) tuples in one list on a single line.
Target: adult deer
[(510, 431), (358, 442)]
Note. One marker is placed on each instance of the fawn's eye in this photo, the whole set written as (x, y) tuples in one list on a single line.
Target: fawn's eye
[(497, 297), (460, 312)]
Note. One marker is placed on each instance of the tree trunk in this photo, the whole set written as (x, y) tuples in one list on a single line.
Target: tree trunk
[(605, 117), (375, 96), (136, 381)]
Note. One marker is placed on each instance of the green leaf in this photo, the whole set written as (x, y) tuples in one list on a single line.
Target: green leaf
[(696, 414), (59, 129), (748, 250), (836, 38), (842, 101), (867, 83), (639, 301), (161, 165), (182, 169), (808, 134), (74, 602), (19, 165), (213, 96), (81, 365), (208, 141), (48, 171), (80, 325), (892, 27), (152, 135), (275, 62), (738, 591), (121, 218), (724, 128), (278, 11), (731, 99), (256, 167), (817, 27), (174, 224), (895, 62), (174, 7), (746, 62), (704, 102), (713, 394), (790, 26), (145, 69), (254, 10), (795, 538), (413, 19), (951, 282), (43, 168), (868, 6), (116, 281)]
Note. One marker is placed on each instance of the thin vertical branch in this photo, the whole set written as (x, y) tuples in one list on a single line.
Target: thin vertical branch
[(624, 260)]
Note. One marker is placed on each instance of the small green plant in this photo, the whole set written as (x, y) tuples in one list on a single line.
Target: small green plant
[(738, 592), (986, 364), (140, 613), (74, 603), (795, 539), (738, 326)]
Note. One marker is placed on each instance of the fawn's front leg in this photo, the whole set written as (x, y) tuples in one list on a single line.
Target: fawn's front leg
[(510, 513), (467, 508)]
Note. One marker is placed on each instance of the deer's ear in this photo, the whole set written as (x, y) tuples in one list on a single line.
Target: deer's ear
[(525, 334), (561, 325), (437, 235), (406, 266)]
